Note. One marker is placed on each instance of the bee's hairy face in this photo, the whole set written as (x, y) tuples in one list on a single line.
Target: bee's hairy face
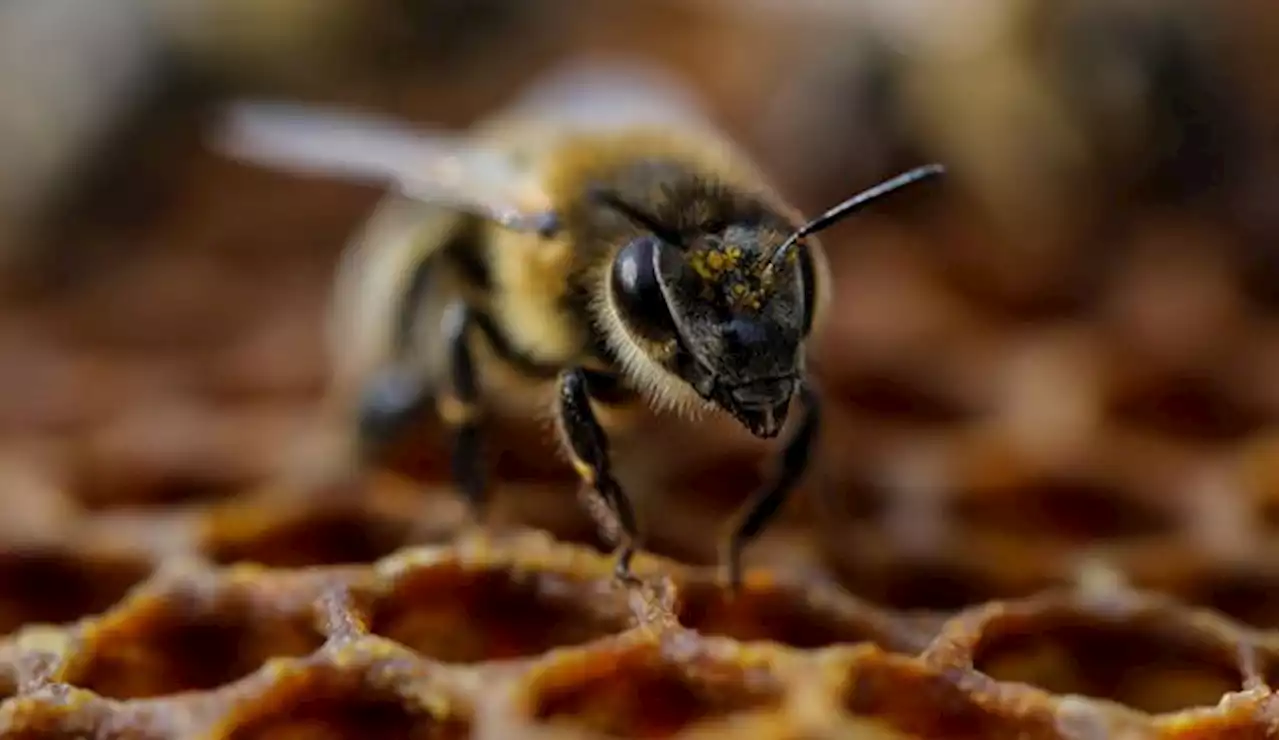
[(737, 328)]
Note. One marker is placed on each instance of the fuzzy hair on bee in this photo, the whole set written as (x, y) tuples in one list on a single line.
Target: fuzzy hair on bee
[(573, 258)]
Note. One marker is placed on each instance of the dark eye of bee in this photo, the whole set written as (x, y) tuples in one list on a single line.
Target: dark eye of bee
[(637, 291)]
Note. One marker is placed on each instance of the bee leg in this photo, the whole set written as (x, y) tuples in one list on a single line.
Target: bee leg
[(459, 408), (764, 505), (589, 448)]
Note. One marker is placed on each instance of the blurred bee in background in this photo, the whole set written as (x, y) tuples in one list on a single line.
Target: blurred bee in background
[(1161, 93), (600, 250), (1153, 87), (1094, 116), (1090, 112), (863, 130)]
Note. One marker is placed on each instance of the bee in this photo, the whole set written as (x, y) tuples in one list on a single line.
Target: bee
[(608, 262)]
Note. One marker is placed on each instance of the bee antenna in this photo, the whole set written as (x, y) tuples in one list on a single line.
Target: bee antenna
[(852, 205), (638, 217)]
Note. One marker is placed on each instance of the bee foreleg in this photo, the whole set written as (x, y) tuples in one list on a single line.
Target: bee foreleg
[(588, 446), (765, 504), (459, 409)]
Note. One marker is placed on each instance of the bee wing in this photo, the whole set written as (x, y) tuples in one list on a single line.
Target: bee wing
[(613, 93), (435, 168)]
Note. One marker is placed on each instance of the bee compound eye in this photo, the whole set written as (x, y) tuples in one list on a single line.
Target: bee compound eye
[(637, 291)]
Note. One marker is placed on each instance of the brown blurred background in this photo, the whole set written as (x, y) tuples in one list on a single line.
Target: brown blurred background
[(1065, 350)]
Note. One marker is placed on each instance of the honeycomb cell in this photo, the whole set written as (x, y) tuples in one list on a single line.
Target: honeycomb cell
[(62, 735), (636, 691), (901, 399), (462, 615), (148, 304), (47, 715), (935, 584), (1247, 597), (55, 733), (322, 704), (1190, 408), (1270, 513), (55, 587), (331, 536), (922, 703), (170, 642), (1071, 510), (1149, 664), (788, 615), (168, 449)]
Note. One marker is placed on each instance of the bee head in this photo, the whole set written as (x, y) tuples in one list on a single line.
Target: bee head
[(733, 329), (727, 312)]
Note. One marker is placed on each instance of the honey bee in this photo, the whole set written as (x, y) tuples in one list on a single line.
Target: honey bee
[(607, 262)]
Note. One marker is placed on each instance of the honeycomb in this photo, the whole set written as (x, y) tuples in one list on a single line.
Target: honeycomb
[(1031, 515), (523, 636)]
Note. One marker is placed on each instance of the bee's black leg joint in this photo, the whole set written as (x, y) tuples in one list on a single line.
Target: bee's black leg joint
[(756, 514), (589, 446), (459, 409)]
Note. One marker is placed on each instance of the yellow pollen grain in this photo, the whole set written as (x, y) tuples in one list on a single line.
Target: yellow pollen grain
[(700, 266)]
